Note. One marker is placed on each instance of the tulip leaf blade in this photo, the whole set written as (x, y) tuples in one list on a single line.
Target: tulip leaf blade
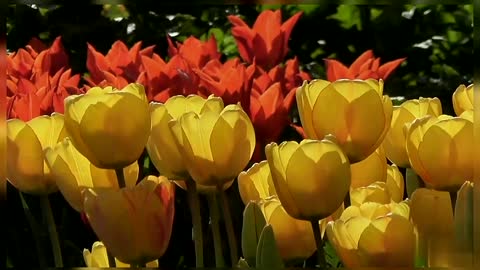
[(413, 181), (253, 224), (268, 255), (331, 256)]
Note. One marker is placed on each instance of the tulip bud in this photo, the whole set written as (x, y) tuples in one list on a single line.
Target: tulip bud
[(145, 213), (73, 173), (27, 169), (324, 171), (216, 146), (344, 108), (256, 183), (462, 99), (440, 151), (110, 127)]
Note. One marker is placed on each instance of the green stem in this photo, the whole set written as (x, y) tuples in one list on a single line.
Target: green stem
[(52, 230), (422, 251), (318, 240), (194, 204), (120, 178), (35, 231), (232, 242), (217, 238)]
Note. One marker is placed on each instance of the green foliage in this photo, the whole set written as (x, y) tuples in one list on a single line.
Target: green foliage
[(252, 227), (331, 256), (268, 255)]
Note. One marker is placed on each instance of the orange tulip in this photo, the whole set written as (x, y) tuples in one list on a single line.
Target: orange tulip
[(366, 66), (196, 52), (266, 43), (135, 224)]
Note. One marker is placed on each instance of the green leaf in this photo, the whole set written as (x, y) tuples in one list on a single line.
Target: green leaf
[(146, 163), (348, 16), (331, 256), (253, 224), (242, 263), (413, 181), (218, 33), (268, 255)]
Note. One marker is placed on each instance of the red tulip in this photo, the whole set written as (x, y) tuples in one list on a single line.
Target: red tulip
[(196, 52), (366, 66), (231, 81), (119, 67), (267, 41)]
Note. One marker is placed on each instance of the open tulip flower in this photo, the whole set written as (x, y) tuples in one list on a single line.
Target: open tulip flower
[(345, 108), (216, 144), (135, 223), (196, 52), (463, 99), (440, 151), (73, 173), (311, 178), (374, 235), (27, 169), (110, 127), (366, 66), (256, 183), (98, 258), (407, 112), (371, 169), (266, 43)]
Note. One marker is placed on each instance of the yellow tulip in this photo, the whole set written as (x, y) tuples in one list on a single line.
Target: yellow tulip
[(110, 127), (440, 151), (73, 173), (375, 192), (406, 113), (161, 146), (464, 225), (216, 146), (432, 213), (374, 235), (135, 224), (370, 170), (462, 99), (294, 237), (256, 183), (468, 114), (395, 183), (98, 258), (311, 178), (354, 111), (27, 169)]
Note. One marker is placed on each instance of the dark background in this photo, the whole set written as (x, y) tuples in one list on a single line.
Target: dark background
[(436, 39)]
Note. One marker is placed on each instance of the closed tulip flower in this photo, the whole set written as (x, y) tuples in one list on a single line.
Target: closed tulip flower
[(395, 183), (216, 146), (311, 178), (440, 151), (374, 235), (27, 169), (73, 173), (369, 170), (375, 192), (98, 258), (432, 214), (463, 99), (256, 183), (406, 113), (110, 127), (161, 145), (135, 224), (354, 111)]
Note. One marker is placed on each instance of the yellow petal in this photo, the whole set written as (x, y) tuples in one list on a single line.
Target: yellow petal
[(375, 192), (395, 183), (306, 96), (429, 208), (369, 170), (463, 99), (256, 183)]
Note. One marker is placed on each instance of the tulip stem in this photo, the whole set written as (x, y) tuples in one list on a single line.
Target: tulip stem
[(111, 259), (35, 231), (120, 178), (318, 240), (217, 238), (52, 230), (232, 242), (453, 199), (194, 204), (346, 200)]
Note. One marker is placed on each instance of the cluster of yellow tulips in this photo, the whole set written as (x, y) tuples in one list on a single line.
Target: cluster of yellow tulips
[(334, 184)]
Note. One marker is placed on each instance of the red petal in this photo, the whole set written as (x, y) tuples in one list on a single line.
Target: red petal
[(355, 67), (387, 68), (96, 64), (336, 70), (236, 21), (286, 29), (244, 38)]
